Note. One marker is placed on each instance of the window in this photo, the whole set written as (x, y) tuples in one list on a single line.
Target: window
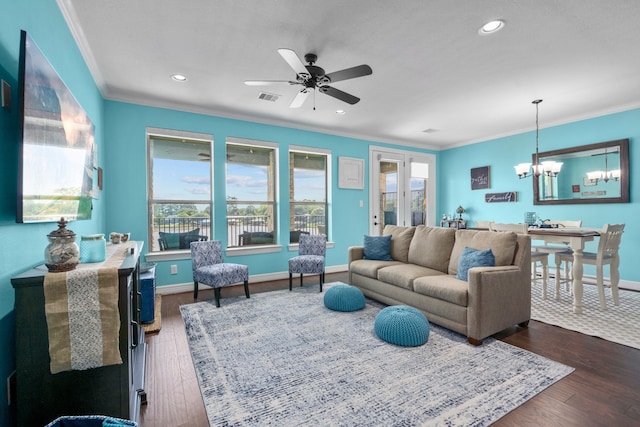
[(180, 201), (308, 192), (251, 192)]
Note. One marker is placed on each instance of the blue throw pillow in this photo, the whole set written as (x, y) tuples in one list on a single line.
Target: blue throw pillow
[(377, 247), (474, 258)]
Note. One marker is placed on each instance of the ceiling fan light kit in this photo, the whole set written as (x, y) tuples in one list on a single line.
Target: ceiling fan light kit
[(313, 77)]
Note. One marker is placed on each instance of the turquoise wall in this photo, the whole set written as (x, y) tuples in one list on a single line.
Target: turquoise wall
[(503, 153), (126, 181), (23, 244), (120, 135)]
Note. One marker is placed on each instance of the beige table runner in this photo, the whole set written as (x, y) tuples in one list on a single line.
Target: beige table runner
[(83, 320)]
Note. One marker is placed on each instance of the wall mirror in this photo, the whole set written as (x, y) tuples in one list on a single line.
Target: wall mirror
[(595, 173)]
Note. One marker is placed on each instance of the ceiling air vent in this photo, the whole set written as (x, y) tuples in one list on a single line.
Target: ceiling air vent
[(268, 96)]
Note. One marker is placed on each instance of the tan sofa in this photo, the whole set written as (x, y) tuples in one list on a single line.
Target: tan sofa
[(423, 275)]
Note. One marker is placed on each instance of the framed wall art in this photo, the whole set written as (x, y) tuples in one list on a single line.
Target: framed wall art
[(350, 173), (480, 178)]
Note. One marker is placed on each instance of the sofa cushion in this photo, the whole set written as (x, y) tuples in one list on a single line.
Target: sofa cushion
[(431, 247), (369, 268), (377, 248), (474, 258), (400, 241), (503, 246), (445, 288), (403, 275)]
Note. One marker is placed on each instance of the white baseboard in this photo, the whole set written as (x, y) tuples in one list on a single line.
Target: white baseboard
[(257, 278)]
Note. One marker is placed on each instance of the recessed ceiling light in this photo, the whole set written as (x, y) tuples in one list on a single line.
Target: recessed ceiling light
[(341, 112), (492, 26), (179, 77)]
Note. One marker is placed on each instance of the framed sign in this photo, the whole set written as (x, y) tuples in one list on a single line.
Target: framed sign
[(350, 173), (480, 178), (509, 196)]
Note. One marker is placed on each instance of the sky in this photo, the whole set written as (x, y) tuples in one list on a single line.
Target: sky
[(182, 179)]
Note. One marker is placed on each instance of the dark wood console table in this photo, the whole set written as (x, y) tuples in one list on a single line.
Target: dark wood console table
[(115, 390)]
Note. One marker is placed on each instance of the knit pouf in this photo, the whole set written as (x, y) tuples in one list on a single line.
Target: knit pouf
[(402, 325), (344, 298)]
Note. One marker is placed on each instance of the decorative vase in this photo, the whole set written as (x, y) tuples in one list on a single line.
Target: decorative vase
[(62, 253)]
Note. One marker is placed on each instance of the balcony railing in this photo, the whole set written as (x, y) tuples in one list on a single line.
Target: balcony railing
[(237, 225)]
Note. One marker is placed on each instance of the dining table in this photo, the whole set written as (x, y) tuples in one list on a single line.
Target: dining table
[(576, 239)]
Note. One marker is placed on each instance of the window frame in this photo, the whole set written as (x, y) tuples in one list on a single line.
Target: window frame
[(155, 254), (276, 246), (328, 184)]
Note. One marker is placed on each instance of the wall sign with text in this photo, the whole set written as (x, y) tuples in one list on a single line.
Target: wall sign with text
[(480, 178), (509, 196)]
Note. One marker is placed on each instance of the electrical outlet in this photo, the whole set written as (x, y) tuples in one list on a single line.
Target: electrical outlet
[(11, 388), (174, 269)]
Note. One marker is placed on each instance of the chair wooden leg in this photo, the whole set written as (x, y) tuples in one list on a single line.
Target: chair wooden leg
[(534, 278), (320, 282), (600, 282), (558, 280), (290, 281), (195, 290), (216, 293), (300, 279), (246, 288), (615, 279), (545, 276)]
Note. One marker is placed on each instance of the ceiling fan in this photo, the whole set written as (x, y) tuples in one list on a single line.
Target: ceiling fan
[(312, 77)]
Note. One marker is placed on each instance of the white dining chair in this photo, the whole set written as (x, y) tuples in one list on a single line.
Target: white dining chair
[(607, 254), (483, 224), (552, 248), (536, 257)]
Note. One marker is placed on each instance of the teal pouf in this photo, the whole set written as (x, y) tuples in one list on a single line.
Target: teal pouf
[(344, 298), (402, 325)]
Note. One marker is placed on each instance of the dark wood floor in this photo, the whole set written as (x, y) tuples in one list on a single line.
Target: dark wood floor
[(604, 390)]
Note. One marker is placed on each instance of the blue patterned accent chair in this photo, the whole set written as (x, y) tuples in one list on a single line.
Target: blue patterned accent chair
[(312, 249), (209, 269)]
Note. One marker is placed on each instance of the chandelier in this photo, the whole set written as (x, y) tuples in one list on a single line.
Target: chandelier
[(605, 175), (549, 168)]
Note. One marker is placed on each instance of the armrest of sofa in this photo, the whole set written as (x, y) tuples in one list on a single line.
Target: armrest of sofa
[(355, 253), (500, 297)]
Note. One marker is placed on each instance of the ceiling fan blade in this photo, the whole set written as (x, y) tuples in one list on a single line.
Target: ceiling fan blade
[(294, 61), (300, 98), (268, 82), (350, 73), (338, 94)]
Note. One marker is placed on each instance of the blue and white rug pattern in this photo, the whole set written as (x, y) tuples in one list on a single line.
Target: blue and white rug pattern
[(618, 323), (281, 358)]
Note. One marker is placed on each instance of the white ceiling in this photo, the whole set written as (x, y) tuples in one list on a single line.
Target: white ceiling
[(431, 68)]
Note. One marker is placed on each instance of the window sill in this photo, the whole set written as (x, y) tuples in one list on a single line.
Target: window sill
[(247, 250), (252, 250), (167, 255), (295, 246)]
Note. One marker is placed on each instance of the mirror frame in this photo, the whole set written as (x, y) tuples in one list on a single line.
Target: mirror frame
[(624, 174)]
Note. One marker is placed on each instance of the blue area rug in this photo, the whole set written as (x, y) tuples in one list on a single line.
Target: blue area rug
[(281, 358)]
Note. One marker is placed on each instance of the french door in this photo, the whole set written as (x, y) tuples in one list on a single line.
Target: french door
[(402, 188)]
